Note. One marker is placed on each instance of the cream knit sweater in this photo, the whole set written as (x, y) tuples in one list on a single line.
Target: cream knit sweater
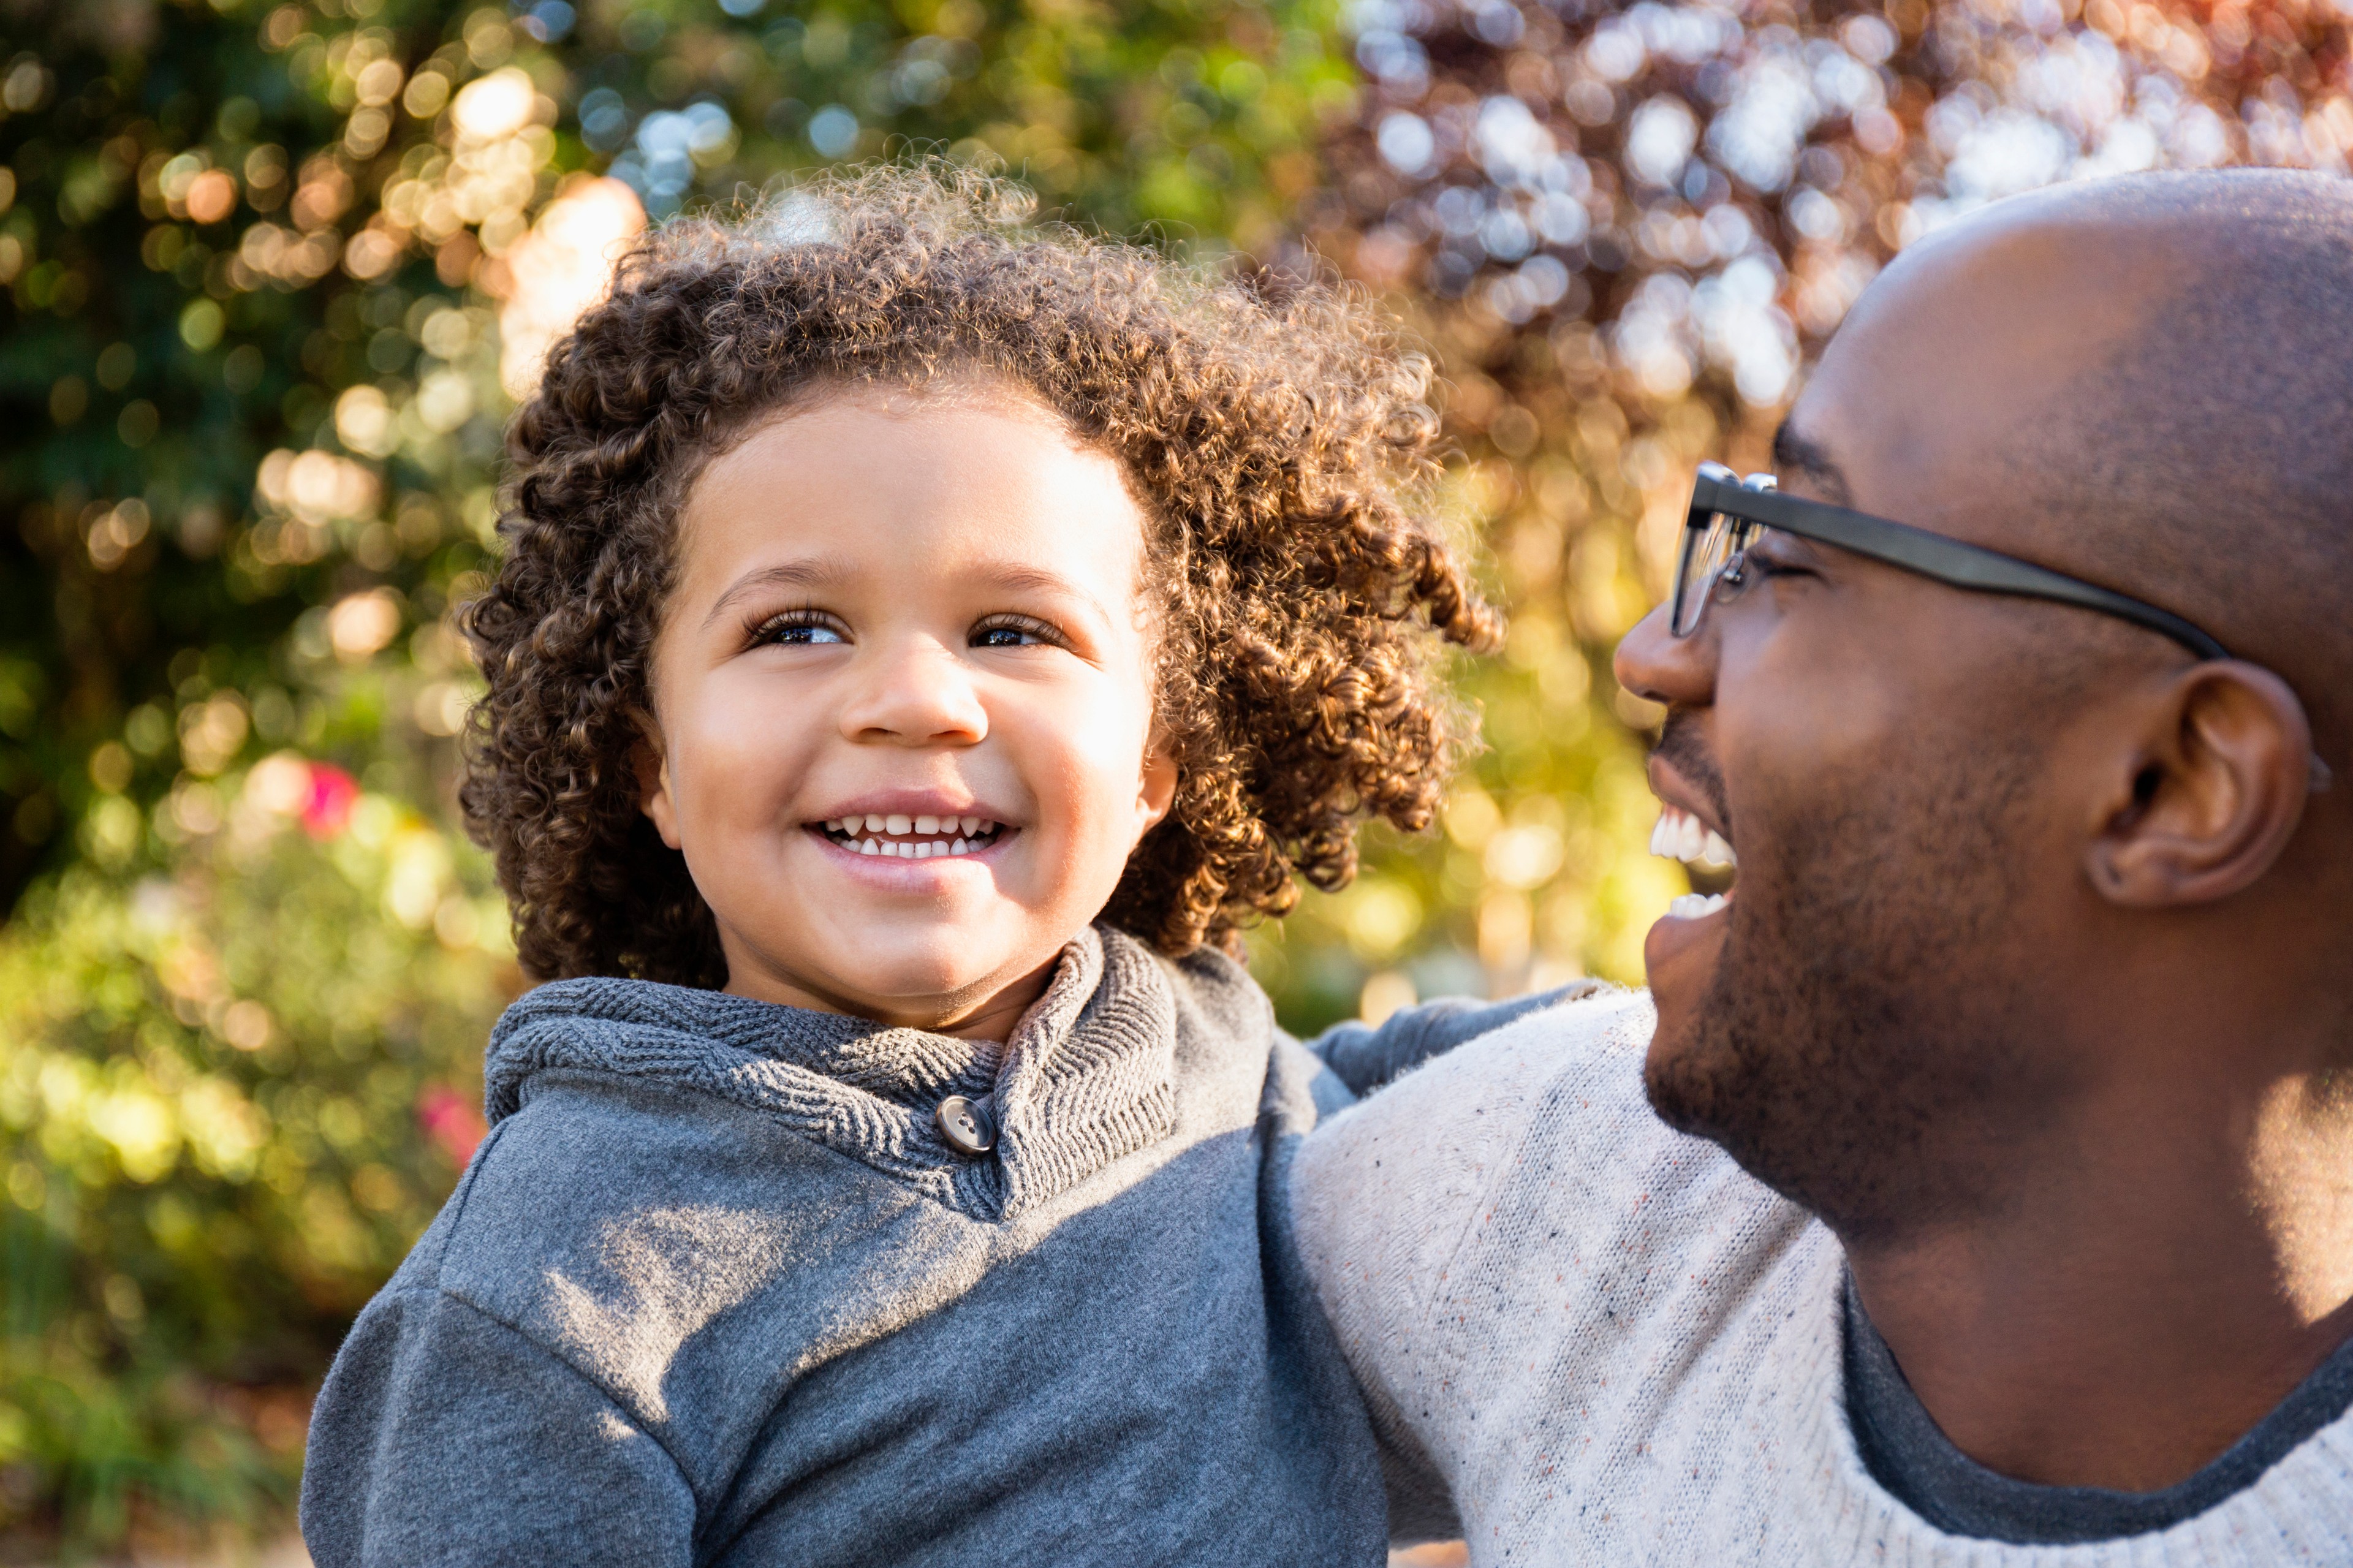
[(1609, 1345)]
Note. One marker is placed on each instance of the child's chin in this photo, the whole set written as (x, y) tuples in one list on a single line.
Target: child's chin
[(917, 965)]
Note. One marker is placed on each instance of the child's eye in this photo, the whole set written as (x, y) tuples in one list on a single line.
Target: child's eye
[(1015, 631), (800, 629)]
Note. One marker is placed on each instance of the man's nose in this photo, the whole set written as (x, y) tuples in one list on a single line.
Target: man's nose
[(916, 694), (1654, 663)]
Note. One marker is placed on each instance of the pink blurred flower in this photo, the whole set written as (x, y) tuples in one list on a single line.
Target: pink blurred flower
[(452, 1120), (334, 793)]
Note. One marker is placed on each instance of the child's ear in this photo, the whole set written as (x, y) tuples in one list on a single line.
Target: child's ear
[(651, 763), (1157, 786)]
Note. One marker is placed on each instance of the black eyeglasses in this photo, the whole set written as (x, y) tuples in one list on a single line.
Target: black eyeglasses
[(1727, 514)]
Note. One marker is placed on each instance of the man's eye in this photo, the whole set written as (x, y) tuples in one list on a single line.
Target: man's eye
[(1755, 567)]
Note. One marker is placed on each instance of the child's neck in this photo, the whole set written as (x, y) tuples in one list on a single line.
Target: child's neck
[(991, 1017)]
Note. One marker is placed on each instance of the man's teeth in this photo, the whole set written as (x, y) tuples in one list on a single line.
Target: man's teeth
[(1680, 835), (1695, 906), (912, 837)]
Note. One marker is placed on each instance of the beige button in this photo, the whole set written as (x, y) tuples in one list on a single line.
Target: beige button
[(965, 1124)]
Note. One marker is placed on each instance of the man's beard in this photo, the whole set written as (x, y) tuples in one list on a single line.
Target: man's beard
[(1856, 1048)]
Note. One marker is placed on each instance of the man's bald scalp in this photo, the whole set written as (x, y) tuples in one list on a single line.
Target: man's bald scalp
[(2208, 458)]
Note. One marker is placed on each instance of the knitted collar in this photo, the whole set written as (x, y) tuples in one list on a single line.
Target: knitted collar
[(1087, 1077)]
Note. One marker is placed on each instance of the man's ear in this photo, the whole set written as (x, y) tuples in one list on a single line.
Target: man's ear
[(2211, 793), (650, 760)]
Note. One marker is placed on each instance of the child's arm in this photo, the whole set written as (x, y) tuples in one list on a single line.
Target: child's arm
[(1366, 1056), (445, 1436)]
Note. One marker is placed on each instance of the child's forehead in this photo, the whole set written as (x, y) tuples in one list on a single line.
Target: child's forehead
[(914, 393), (898, 480)]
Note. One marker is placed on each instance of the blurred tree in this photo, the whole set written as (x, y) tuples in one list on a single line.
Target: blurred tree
[(237, 1094)]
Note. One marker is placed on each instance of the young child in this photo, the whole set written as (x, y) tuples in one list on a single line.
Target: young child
[(922, 642)]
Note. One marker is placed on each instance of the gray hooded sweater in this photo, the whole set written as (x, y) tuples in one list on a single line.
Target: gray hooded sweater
[(718, 1290)]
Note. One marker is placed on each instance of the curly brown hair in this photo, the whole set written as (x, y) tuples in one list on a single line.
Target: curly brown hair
[(1300, 603)]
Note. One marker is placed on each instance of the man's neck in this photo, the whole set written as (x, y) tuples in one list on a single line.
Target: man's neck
[(2142, 1300)]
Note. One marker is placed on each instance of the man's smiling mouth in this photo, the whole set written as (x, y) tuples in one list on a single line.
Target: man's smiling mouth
[(1680, 835), (912, 837)]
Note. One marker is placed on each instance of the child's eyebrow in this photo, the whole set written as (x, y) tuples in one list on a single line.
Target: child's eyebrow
[(815, 575), (1036, 578), (791, 574)]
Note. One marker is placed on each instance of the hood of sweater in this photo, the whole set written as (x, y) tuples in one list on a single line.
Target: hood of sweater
[(1087, 1077)]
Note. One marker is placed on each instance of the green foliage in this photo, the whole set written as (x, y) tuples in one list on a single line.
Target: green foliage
[(234, 1096)]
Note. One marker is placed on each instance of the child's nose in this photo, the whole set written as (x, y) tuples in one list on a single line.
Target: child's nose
[(916, 696)]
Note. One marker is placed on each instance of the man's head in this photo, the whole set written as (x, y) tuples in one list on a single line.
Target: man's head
[(2002, 859)]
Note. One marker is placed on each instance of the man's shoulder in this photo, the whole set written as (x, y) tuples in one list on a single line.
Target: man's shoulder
[(1434, 1138), (1393, 1194), (1542, 1288), (1593, 1037)]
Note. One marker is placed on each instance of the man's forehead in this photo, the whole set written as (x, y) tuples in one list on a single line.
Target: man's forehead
[(1922, 399)]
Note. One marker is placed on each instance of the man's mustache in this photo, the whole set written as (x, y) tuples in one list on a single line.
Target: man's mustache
[(1681, 745)]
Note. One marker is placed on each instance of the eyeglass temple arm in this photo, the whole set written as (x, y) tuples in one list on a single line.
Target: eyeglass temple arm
[(1947, 561)]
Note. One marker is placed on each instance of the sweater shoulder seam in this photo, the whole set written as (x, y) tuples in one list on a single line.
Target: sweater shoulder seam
[(557, 1357), (460, 1199), (1506, 1153)]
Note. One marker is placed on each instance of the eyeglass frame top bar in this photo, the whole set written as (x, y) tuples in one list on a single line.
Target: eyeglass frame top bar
[(1957, 565)]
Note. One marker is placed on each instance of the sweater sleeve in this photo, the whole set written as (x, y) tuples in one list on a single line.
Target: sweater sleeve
[(444, 1437), (1365, 1057), (1385, 1196)]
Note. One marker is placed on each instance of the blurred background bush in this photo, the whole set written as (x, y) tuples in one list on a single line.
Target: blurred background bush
[(275, 273)]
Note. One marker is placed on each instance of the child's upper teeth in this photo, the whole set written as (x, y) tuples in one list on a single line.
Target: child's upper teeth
[(912, 837)]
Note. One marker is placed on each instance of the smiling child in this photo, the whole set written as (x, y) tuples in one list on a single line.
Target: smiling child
[(922, 642)]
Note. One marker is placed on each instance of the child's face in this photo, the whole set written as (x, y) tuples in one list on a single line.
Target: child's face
[(906, 607)]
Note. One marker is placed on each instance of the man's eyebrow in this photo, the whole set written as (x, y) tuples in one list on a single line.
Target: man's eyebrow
[(1794, 453), (791, 574)]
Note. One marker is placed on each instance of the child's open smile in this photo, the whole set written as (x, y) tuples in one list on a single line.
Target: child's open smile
[(903, 722), (921, 836)]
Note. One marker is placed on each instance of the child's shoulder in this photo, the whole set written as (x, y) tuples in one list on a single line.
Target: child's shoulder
[(595, 1171)]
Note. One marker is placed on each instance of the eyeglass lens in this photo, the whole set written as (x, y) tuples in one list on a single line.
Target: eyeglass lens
[(1706, 551)]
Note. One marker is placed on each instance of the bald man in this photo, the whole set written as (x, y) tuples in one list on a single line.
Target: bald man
[(1975, 1185)]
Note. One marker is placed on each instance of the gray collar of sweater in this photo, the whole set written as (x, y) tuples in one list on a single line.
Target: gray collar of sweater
[(1086, 1078)]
